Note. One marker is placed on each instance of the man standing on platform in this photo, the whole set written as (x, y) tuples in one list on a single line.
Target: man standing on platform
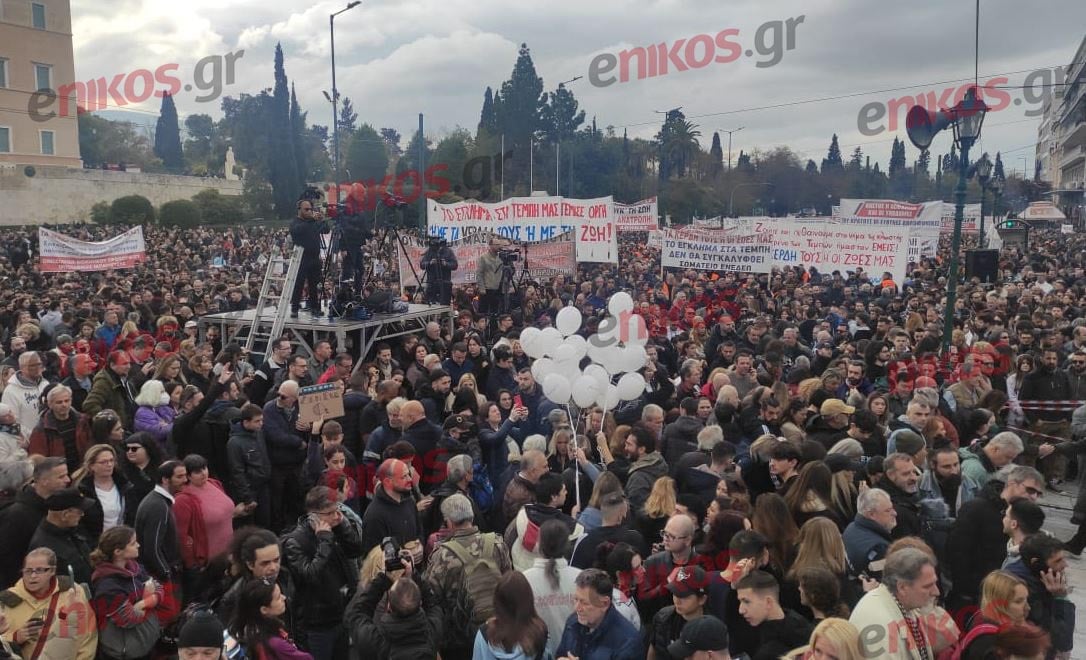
[(305, 231)]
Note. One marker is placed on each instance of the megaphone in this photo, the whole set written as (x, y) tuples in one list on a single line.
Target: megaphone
[(922, 125)]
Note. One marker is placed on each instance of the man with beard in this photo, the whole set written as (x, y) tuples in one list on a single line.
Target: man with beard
[(900, 480), (855, 381), (393, 511), (433, 395), (1048, 383), (943, 480)]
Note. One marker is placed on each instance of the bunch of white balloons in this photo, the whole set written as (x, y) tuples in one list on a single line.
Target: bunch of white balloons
[(618, 350)]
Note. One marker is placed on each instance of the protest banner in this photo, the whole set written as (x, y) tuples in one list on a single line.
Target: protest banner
[(970, 222), (656, 239), (924, 221), (534, 219), (64, 254), (320, 402), (844, 247), (707, 223), (544, 259), (1067, 229), (641, 216), (729, 249)]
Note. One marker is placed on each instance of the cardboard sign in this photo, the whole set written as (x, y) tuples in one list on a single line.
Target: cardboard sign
[(320, 402)]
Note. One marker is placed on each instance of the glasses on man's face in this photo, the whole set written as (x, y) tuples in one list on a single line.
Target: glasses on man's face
[(668, 536), (131, 449), (36, 570)]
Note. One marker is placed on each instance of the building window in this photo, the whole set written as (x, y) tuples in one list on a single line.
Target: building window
[(43, 76), (5, 140), (38, 13), (47, 146), (3, 73)]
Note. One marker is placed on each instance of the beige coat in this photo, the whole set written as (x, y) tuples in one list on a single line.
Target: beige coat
[(72, 634), (885, 634)]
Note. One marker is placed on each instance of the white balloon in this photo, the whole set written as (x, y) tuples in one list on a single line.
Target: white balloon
[(565, 353), (609, 398), (542, 368), (631, 386), (549, 341), (556, 388), (568, 321), (611, 359), (585, 391), (579, 344), (600, 375), (634, 357), (529, 338), (620, 303)]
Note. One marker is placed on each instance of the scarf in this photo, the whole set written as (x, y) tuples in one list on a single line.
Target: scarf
[(914, 630)]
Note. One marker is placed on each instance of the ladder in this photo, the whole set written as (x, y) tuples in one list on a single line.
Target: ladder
[(278, 284)]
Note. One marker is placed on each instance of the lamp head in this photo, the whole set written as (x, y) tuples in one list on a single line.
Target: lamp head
[(968, 118)]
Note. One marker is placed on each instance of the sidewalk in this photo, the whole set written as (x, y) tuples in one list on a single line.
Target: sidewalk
[(1057, 508)]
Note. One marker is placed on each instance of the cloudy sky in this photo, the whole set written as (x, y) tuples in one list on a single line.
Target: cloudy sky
[(397, 58)]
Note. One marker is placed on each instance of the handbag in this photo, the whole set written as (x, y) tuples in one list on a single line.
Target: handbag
[(129, 643)]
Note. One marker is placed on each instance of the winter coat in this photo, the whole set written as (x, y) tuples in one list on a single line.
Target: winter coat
[(320, 563), (976, 465), (976, 545), (189, 516), (75, 636), (680, 437), (781, 636), (536, 514), (18, 521), (47, 441), (25, 399), (878, 611), (929, 489), (518, 493), (484, 650), (160, 549), (205, 430), (286, 444), (387, 635), (108, 391), (116, 591), (387, 517), (72, 549), (907, 507), (1055, 615), (495, 446), (94, 519), (642, 475), (158, 421), (866, 542), (614, 639), (250, 467), (824, 434)]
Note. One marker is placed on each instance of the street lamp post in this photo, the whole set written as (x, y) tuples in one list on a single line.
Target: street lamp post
[(335, 91), (731, 198), (984, 174), (734, 130), (997, 194)]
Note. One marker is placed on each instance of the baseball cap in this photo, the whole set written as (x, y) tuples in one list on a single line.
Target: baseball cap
[(840, 462), (835, 407), (190, 324), (458, 422), (687, 581), (68, 498), (705, 633)]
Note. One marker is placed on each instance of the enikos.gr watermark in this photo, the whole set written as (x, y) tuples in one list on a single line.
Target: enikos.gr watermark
[(209, 76)]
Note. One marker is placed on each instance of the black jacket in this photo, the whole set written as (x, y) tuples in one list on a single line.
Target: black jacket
[(387, 517), (822, 433), (205, 430), (307, 235), (250, 468), (777, 638), (584, 553), (287, 446), (976, 545), (387, 635), (907, 507), (94, 518), (355, 405), (18, 521), (680, 437), (866, 542), (160, 549), (321, 567), (1045, 385), (73, 551)]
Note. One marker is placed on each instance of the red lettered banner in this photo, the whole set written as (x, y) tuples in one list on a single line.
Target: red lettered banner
[(64, 254), (641, 216)]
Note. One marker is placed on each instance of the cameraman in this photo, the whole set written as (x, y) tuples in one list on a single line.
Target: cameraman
[(305, 231), (353, 234), (438, 262), (489, 277), (412, 621)]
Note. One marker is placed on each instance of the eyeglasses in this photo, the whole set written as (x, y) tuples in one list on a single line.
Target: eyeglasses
[(668, 536), (133, 448), (39, 571)]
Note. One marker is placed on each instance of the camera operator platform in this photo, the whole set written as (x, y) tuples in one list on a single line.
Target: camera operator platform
[(438, 263)]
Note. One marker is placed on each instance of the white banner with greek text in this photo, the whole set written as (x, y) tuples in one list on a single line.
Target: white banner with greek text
[(64, 254)]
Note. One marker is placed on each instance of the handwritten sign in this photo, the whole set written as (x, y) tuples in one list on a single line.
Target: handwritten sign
[(320, 402), (637, 217)]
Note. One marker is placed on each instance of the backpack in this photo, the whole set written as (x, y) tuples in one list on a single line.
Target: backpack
[(482, 491), (957, 650), (474, 601)]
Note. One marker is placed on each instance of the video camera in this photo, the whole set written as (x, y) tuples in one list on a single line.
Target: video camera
[(508, 256), (436, 242)]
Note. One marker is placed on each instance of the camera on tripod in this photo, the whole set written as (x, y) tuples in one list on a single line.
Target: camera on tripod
[(436, 242), (509, 257)]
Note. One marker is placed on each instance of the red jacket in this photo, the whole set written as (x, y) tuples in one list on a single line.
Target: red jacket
[(189, 517), (46, 441)]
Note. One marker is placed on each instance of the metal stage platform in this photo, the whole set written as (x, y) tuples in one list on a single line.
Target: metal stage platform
[(357, 337)]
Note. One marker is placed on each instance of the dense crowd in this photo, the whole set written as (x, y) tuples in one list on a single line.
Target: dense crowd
[(807, 474)]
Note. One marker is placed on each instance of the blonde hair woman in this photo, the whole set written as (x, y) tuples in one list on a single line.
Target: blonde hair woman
[(833, 638), (101, 480), (659, 506), (466, 381)]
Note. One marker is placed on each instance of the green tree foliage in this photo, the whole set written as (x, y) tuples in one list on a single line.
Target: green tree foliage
[(180, 213), (298, 139), (283, 169), (832, 162), (997, 169), (453, 152), (132, 210), (560, 117), (219, 209), (257, 198), (100, 213), (678, 145), (348, 118), (716, 156), (518, 111), (367, 156), (392, 142), (103, 141), (168, 137), (410, 158)]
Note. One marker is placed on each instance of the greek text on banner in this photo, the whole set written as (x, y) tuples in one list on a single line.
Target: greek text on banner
[(61, 254), (545, 259)]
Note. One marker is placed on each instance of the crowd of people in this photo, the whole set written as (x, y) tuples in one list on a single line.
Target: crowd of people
[(808, 474)]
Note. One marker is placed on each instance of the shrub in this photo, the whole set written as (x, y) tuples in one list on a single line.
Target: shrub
[(218, 209), (180, 213), (132, 210), (99, 213)]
